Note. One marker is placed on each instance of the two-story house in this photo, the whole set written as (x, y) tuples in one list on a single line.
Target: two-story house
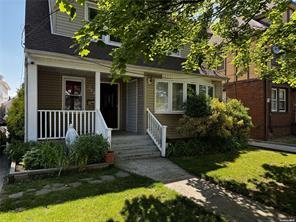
[(62, 88), (272, 106)]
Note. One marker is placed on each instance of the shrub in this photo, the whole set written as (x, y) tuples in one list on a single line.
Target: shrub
[(188, 148), (16, 150), (47, 154), (197, 106), (89, 149), (15, 117), (226, 128)]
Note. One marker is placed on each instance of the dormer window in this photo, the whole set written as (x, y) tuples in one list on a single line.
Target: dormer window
[(90, 11)]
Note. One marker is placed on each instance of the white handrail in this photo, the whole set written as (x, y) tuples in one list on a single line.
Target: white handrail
[(157, 132), (102, 128)]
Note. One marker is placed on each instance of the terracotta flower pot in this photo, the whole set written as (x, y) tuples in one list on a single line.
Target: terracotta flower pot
[(109, 158)]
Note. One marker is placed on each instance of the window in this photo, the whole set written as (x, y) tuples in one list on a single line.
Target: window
[(278, 100), (202, 89), (282, 100), (114, 39), (90, 11), (274, 100), (73, 94), (221, 67), (191, 90), (170, 95), (176, 53), (211, 91), (177, 96), (162, 96)]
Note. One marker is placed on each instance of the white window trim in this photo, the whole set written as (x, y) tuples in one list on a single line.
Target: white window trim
[(75, 79), (176, 54), (105, 38), (283, 100), (109, 42), (170, 93), (86, 6), (274, 100)]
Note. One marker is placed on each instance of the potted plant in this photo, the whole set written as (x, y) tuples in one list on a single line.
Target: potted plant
[(109, 157)]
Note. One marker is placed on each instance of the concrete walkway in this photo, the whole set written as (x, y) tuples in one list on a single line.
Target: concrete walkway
[(273, 146), (214, 198), (4, 169)]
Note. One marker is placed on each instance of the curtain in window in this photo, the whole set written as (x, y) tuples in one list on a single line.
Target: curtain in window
[(162, 96), (73, 95), (177, 96)]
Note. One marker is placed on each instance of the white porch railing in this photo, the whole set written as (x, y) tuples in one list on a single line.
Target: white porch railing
[(157, 132), (102, 128), (53, 124)]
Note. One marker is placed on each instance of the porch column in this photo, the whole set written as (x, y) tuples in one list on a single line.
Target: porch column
[(97, 96), (32, 102)]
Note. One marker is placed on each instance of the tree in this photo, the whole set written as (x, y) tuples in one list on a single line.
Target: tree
[(15, 117), (151, 29)]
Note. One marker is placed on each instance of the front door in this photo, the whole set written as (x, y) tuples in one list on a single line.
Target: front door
[(109, 104)]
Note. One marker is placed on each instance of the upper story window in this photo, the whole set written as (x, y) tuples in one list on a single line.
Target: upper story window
[(222, 66), (278, 100), (176, 54), (90, 11), (170, 95)]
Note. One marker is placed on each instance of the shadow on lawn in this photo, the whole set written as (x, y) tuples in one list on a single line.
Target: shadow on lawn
[(29, 200), (144, 209), (212, 162), (280, 189)]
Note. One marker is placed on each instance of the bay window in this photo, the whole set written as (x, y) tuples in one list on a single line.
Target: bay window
[(170, 95), (202, 89), (191, 90), (178, 96), (162, 96)]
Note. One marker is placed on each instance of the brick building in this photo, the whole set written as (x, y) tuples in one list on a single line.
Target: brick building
[(272, 107)]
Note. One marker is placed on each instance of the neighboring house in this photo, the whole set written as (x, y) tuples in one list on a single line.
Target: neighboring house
[(272, 106), (4, 89), (62, 88)]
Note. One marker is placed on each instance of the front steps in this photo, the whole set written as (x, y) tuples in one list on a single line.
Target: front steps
[(129, 147)]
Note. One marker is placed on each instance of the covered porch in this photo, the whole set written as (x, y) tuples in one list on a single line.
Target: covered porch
[(58, 95)]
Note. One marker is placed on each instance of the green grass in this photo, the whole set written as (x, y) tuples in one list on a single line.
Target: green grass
[(267, 176), (132, 198)]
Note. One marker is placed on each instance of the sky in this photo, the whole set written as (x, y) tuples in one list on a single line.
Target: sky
[(11, 51)]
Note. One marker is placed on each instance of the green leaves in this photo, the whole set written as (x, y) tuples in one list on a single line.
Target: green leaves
[(210, 30)]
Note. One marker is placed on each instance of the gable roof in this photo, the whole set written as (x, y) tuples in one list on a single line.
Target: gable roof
[(38, 36)]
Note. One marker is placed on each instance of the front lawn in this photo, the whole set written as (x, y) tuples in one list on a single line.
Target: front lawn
[(101, 195), (267, 176)]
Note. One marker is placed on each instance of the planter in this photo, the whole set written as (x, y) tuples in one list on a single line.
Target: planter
[(109, 158), (14, 176)]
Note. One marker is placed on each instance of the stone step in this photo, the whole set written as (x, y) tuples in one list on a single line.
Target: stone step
[(136, 156), (129, 139), (131, 152), (135, 147), (132, 143)]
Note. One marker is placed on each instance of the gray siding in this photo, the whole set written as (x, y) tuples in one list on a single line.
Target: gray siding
[(50, 85), (131, 119), (141, 108)]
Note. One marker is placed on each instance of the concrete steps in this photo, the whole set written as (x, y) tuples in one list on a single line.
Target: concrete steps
[(129, 147)]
